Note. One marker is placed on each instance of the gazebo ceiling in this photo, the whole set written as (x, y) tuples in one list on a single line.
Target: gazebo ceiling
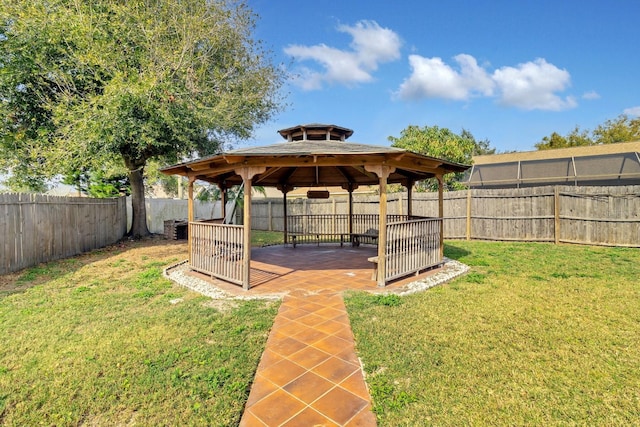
[(315, 163)]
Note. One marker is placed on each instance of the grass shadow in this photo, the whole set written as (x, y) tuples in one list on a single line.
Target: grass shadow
[(454, 251)]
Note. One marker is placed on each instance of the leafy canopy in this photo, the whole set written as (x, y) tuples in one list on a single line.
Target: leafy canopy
[(621, 129), (92, 85), (442, 143)]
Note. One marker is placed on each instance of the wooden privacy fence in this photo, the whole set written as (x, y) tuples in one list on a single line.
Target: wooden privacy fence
[(37, 228), (562, 214), (217, 250)]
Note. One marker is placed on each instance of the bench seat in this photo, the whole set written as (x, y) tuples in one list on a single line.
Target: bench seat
[(316, 237)]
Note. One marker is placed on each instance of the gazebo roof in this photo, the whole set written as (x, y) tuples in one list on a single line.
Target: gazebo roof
[(315, 163)]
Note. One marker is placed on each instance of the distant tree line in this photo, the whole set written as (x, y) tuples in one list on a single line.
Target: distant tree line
[(621, 129)]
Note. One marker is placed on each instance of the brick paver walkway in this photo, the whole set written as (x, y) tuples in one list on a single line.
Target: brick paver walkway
[(309, 374)]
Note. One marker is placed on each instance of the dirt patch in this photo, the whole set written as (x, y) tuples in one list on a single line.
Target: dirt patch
[(105, 262), (222, 305)]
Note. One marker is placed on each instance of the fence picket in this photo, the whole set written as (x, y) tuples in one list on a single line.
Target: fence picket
[(586, 215), (38, 228)]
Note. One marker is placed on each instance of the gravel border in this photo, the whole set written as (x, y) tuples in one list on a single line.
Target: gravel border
[(178, 273), (449, 271)]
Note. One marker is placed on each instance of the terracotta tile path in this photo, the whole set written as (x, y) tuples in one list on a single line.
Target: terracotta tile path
[(309, 374)]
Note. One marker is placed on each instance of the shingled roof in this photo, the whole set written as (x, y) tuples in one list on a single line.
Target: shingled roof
[(312, 163)]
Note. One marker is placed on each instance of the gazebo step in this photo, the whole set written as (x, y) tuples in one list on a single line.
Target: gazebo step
[(374, 260)]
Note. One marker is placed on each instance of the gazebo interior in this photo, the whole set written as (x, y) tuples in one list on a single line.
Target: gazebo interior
[(317, 155)]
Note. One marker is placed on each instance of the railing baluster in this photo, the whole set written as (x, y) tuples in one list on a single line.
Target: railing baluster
[(216, 250), (412, 245)]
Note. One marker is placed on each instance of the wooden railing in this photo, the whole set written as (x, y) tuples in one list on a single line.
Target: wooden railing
[(216, 249), (412, 246), (335, 228)]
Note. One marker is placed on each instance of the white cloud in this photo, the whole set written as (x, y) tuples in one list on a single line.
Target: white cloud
[(372, 43), (533, 86), (591, 95), (371, 46), (432, 78), (633, 111), (530, 86)]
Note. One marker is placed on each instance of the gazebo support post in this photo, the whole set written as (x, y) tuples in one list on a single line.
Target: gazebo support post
[(440, 179), (247, 174), (383, 172), (284, 213), (223, 199), (285, 189), (410, 198), (190, 214), (350, 187), (350, 190)]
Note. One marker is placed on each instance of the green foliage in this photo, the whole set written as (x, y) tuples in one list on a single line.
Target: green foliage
[(168, 183), (621, 129), (575, 138), (84, 84), (100, 184), (444, 144), (390, 300)]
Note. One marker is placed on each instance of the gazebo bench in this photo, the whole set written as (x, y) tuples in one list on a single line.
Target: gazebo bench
[(354, 238), (368, 235), (318, 237)]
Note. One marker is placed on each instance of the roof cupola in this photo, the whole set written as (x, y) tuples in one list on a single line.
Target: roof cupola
[(315, 132)]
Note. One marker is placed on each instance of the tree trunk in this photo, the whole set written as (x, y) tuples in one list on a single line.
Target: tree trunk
[(139, 210)]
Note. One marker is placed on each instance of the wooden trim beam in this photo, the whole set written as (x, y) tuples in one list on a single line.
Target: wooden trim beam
[(267, 174)]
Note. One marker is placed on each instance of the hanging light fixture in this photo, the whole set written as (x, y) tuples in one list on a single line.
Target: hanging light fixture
[(317, 194)]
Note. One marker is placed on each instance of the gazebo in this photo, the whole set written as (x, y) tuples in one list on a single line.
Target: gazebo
[(317, 155)]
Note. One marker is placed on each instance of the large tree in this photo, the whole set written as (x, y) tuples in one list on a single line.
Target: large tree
[(442, 143), (91, 83)]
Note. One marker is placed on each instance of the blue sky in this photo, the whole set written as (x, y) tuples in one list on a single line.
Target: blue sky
[(511, 71)]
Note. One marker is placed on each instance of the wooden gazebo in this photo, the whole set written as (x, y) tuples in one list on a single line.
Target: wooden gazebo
[(316, 155)]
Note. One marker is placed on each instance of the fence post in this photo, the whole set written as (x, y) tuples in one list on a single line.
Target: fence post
[(469, 214), (556, 214), (269, 207)]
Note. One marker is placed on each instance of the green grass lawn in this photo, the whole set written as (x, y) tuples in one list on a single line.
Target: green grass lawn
[(266, 238), (104, 339), (535, 334)]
